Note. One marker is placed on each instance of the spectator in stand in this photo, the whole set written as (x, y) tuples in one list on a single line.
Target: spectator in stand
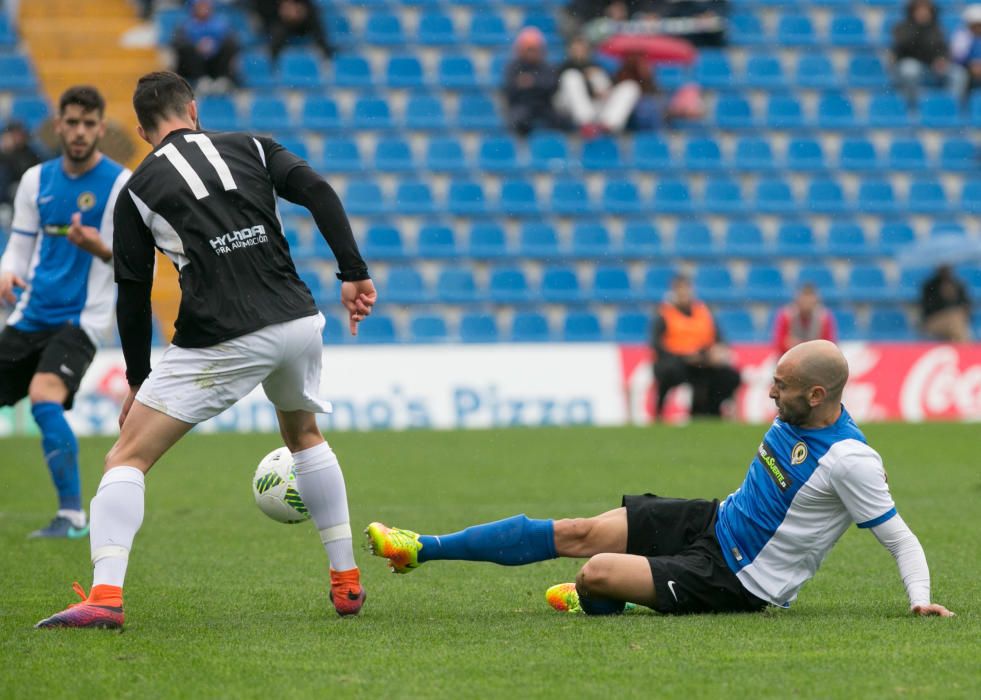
[(206, 49), (656, 108), (285, 20), (690, 350), (805, 318), (530, 85), (946, 307), (16, 157), (712, 13), (921, 55), (589, 98), (966, 45)]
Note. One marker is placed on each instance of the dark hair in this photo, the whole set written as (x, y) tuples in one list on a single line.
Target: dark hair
[(160, 95), (85, 96)]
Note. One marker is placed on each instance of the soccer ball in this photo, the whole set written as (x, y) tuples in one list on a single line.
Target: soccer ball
[(274, 488)]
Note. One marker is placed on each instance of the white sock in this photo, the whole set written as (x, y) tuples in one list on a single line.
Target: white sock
[(117, 513), (321, 485), (77, 517)]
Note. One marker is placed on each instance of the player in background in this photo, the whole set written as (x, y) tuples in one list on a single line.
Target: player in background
[(60, 255), (813, 475), (208, 201)]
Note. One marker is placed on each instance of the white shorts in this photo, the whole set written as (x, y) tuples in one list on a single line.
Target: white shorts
[(195, 384)]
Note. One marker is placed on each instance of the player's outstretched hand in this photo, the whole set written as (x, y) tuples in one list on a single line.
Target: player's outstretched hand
[(932, 610), (87, 238), (358, 298), (8, 280)]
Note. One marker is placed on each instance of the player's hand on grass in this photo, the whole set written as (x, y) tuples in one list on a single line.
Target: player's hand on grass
[(127, 404), (931, 610), (9, 280), (88, 239), (358, 298)]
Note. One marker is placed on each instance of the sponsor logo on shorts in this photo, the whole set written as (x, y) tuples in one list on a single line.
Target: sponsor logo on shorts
[(798, 454), (671, 585), (238, 240), (65, 369), (773, 466)]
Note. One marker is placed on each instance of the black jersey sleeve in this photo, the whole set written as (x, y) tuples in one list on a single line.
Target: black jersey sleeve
[(133, 316), (132, 243), (297, 182)]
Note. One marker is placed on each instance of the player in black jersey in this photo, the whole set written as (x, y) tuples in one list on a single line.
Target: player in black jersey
[(208, 202)]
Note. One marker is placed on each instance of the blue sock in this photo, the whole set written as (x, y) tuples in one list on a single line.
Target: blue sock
[(599, 606), (60, 452), (512, 542)]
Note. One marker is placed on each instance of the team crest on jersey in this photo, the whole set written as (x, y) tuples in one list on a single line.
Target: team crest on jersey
[(798, 454), (85, 201)]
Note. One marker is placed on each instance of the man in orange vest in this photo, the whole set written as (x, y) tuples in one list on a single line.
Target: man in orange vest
[(688, 349)]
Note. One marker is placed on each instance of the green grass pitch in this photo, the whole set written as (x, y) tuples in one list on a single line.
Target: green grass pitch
[(222, 602)]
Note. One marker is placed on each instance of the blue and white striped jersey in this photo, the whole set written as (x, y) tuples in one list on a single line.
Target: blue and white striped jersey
[(803, 490)]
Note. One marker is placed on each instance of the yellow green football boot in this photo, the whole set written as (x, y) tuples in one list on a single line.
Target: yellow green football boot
[(563, 597), (400, 547)]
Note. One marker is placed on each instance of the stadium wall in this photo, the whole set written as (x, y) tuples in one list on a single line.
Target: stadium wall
[(475, 386)]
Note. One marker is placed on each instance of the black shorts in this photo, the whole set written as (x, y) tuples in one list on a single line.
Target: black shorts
[(65, 351), (678, 538)]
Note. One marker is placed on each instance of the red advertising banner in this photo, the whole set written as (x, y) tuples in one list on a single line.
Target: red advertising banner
[(888, 381)]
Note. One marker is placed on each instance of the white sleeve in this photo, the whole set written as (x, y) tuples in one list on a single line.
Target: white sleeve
[(106, 229), (896, 536), (860, 482), (25, 226)]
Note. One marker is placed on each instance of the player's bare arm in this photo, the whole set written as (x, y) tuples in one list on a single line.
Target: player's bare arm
[(9, 281), (88, 239)]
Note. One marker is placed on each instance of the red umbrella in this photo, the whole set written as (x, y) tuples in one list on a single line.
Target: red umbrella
[(656, 49)]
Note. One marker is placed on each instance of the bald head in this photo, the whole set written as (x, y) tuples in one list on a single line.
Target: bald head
[(817, 363)]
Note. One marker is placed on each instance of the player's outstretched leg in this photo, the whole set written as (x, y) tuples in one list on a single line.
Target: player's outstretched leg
[(61, 455)]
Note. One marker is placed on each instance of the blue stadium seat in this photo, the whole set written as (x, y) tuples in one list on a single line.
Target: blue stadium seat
[(907, 154), (466, 198), (294, 145), (456, 285), (590, 240), (888, 111), (640, 240), (352, 72), (29, 110), (888, 325), (631, 327), (858, 154), (414, 197), (825, 196), (611, 284), (17, 74), (746, 29), (894, 236), (425, 112), (570, 197), (670, 77), (8, 35), (456, 72), (736, 326), (538, 240), (436, 29), (926, 196), (764, 72), (939, 111), (477, 113), (846, 324), (334, 332), (733, 112), (582, 327), (548, 151), (795, 31), (543, 21), (765, 283), (805, 155), (672, 197), (876, 197), (364, 198), (444, 154), (217, 113), (300, 70), (865, 70), (488, 29), (404, 285), (959, 154), (974, 109), (428, 328), (744, 239), (815, 71), (822, 278), (723, 195), (393, 155), (498, 154), (713, 284), (620, 196), (383, 29), (478, 328), (753, 154), (404, 72), (487, 241), (530, 327), (713, 70), (651, 152), (338, 28), (377, 328), (971, 196), (657, 282), (784, 112), (436, 241), (508, 285), (601, 154), (269, 114), (835, 111), (518, 198), (867, 283), (560, 285), (342, 155), (795, 240), (320, 114), (383, 242), (847, 31), (371, 113), (702, 154), (911, 281), (493, 77), (774, 196), (846, 239), (257, 70)]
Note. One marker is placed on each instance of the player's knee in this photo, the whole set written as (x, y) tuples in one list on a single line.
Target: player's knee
[(46, 387), (596, 574)]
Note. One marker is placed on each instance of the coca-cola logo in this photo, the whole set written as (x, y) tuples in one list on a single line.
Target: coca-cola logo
[(936, 386)]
